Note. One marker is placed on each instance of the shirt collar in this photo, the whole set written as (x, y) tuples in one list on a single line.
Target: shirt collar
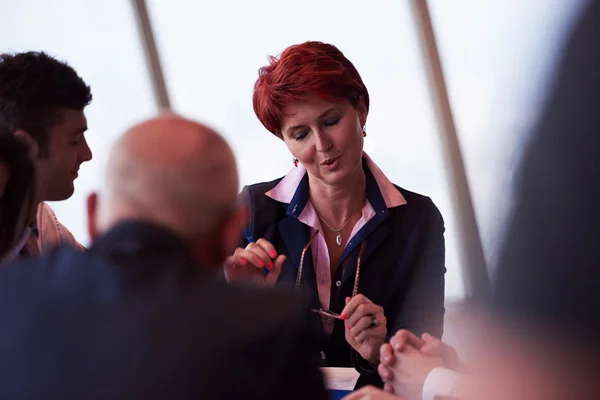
[(293, 189)]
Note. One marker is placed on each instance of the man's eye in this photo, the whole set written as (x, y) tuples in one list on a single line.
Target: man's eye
[(76, 140)]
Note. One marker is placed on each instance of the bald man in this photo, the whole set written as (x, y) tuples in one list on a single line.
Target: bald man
[(141, 314)]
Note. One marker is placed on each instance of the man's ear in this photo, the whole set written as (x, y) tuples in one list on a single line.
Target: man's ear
[(27, 138), (92, 216), (233, 229)]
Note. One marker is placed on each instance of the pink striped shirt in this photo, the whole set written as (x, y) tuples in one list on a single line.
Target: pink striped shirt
[(284, 192), (50, 233)]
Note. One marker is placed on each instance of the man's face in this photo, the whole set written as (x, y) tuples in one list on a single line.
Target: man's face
[(67, 150)]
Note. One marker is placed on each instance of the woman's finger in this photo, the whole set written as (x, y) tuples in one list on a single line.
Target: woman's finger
[(267, 247), (243, 257), (261, 254), (362, 324), (361, 311), (352, 305), (378, 331)]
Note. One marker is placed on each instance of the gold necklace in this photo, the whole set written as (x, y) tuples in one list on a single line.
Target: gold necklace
[(338, 238)]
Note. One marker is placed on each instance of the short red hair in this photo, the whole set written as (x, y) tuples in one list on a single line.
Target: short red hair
[(302, 71)]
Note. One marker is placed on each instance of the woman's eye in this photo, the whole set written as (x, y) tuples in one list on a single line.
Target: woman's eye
[(331, 121), (300, 135)]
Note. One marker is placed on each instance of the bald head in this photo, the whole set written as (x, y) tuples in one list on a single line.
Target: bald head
[(171, 171)]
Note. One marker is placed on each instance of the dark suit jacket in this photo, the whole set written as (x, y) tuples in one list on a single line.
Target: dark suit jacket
[(402, 267), (135, 318)]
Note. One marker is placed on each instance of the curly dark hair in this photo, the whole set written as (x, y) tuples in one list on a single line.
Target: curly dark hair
[(19, 192), (34, 87)]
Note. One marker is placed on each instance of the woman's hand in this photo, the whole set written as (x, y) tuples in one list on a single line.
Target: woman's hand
[(248, 263), (365, 337)]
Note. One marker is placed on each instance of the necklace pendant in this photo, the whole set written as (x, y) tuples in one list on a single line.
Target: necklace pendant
[(338, 239)]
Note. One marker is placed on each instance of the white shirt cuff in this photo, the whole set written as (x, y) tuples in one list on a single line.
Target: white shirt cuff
[(441, 382)]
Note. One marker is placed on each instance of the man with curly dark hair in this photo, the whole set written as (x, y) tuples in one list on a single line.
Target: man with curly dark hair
[(42, 100)]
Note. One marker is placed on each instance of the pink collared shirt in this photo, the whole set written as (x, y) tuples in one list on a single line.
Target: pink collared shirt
[(50, 233), (284, 192)]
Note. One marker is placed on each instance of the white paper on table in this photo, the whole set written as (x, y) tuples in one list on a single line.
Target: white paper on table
[(340, 378)]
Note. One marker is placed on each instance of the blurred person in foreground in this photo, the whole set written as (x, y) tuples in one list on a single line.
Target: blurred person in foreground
[(42, 100), (548, 281), (17, 193), (143, 314), (542, 325), (370, 254)]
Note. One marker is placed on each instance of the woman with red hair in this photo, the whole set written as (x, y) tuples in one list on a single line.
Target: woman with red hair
[(369, 254)]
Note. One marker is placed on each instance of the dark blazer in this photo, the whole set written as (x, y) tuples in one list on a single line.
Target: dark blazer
[(402, 267), (135, 318)]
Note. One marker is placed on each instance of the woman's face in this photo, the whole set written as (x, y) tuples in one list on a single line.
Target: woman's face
[(325, 137)]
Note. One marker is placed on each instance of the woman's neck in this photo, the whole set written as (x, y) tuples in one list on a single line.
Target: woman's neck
[(337, 203)]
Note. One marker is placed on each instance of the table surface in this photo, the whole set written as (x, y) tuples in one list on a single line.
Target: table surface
[(339, 381)]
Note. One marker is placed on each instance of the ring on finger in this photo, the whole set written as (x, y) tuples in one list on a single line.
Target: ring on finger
[(374, 321)]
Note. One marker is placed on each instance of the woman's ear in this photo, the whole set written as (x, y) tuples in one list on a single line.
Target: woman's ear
[(361, 110)]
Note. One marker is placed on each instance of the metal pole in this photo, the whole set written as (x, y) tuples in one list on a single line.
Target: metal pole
[(477, 284), (152, 58)]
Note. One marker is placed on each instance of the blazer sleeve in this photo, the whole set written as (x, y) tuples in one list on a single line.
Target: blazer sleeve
[(422, 309)]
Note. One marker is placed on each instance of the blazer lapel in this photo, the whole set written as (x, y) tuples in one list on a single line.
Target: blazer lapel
[(293, 232), (375, 233)]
